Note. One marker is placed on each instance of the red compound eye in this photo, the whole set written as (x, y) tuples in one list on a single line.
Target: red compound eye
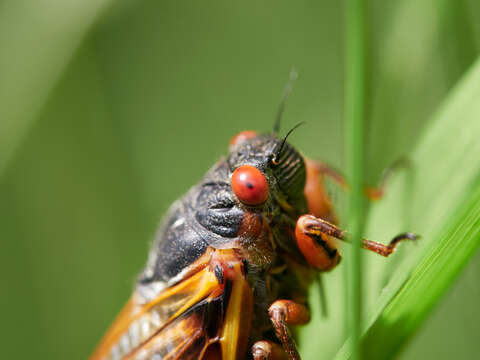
[(250, 185), (241, 137)]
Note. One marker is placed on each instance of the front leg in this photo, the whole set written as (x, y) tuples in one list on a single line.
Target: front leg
[(316, 244), (283, 313), (313, 236)]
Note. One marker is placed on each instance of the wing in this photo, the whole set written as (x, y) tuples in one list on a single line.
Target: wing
[(137, 324), (201, 317), (187, 336)]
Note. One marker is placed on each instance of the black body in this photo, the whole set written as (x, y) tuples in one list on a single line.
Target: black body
[(210, 215)]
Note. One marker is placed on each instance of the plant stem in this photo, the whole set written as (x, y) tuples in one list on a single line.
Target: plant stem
[(354, 125)]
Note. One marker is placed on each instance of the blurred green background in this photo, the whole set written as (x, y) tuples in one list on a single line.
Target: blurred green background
[(111, 110)]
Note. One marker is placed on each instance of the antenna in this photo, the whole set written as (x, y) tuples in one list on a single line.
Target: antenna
[(279, 152), (286, 92)]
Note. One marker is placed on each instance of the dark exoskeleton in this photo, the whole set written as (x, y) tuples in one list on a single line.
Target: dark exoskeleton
[(233, 259)]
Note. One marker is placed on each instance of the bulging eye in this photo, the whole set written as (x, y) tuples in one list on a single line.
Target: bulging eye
[(241, 137), (250, 185)]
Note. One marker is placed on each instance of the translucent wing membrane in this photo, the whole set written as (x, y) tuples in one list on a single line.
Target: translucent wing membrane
[(187, 336), (205, 316), (137, 324)]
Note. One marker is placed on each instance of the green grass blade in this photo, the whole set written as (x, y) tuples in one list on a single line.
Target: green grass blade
[(457, 241), (447, 168), (354, 123)]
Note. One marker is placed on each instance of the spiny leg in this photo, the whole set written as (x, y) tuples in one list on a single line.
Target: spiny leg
[(312, 226), (283, 313), (268, 350), (372, 192), (377, 192), (386, 250)]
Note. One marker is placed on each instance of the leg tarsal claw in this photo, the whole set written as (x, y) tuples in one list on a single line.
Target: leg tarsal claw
[(386, 250)]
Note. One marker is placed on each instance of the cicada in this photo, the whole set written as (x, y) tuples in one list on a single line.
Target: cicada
[(228, 274)]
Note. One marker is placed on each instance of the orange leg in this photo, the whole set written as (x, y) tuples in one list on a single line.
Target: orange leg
[(377, 192), (327, 170), (311, 231), (268, 350), (318, 200), (372, 192), (283, 313), (316, 246)]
